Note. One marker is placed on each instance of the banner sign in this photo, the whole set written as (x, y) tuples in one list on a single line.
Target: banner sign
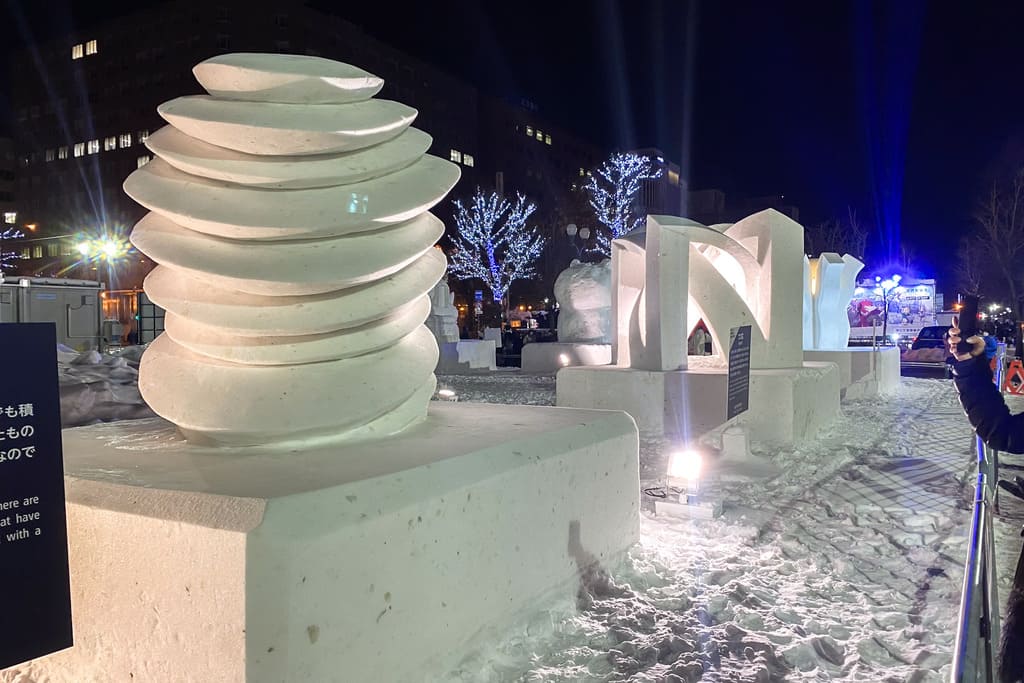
[(739, 371), (34, 579)]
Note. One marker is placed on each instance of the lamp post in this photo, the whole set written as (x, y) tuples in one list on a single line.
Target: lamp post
[(887, 289), (583, 233)]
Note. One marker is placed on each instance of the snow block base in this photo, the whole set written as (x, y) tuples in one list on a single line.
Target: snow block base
[(549, 357), (786, 405), (383, 561), (863, 372), (467, 356)]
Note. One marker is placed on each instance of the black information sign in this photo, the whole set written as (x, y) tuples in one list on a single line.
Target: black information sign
[(34, 581), (739, 371)]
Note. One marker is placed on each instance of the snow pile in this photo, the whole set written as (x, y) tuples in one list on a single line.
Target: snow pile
[(846, 567), (584, 294), (97, 387)]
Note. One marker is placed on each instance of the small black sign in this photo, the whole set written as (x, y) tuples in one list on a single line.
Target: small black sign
[(739, 371), (34, 580)]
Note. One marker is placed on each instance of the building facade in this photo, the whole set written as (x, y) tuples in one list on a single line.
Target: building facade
[(85, 104)]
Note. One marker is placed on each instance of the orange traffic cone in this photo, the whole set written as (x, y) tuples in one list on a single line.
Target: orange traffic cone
[(1014, 383)]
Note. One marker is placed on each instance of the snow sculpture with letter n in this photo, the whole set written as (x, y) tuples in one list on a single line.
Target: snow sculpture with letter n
[(676, 273)]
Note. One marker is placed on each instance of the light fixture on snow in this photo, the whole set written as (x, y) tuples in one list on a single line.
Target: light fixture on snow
[(563, 360), (447, 395), (685, 467), (681, 494)]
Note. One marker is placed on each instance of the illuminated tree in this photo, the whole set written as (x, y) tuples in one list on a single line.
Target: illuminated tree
[(493, 242), (613, 189), (7, 257)]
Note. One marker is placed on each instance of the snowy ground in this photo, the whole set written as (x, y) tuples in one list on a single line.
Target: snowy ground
[(97, 387), (845, 567)]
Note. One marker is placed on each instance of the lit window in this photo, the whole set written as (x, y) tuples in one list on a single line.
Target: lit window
[(52, 249), (79, 149), (51, 154), (37, 251), (77, 51), (583, 172), (455, 155), (142, 161), (467, 159), (529, 131), (62, 152), (540, 135), (26, 253), (10, 217), (91, 48), (143, 135), (126, 140), (94, 146), (547, 139), (109, 143)]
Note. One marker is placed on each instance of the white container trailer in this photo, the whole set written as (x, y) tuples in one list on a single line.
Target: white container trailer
[(74, 306)]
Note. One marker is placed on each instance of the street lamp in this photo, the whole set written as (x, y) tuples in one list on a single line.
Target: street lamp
[(888, 289), (583, 233)]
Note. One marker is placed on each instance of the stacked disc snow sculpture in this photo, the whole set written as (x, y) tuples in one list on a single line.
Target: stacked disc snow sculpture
[(289, 216)]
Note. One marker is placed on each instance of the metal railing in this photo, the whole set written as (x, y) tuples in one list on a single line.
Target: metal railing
[(977, 636)]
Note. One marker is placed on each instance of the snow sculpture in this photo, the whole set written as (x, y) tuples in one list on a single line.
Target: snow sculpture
[(443, 320), (677, 272), (829, 284), (289, 216), (583, 293)]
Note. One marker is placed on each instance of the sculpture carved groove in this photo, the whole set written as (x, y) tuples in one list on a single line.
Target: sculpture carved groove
[(289, 213)]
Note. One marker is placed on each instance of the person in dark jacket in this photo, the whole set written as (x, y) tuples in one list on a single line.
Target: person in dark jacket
[(981, 398), (989, 415)]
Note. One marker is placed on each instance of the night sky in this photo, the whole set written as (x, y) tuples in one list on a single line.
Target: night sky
[(902, 110)]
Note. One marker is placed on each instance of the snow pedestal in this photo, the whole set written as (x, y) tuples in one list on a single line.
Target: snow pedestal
[(372, 562), (548, 357), (863, 372), (786, 404), (466, 356)]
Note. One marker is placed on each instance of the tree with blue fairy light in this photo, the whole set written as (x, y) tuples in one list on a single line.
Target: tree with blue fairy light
[(7, 258), (493, 242), (613, 189)]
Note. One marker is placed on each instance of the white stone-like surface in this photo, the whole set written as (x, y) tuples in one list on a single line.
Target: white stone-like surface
[(584, 295), (287, 129), (255, 315), (493, 334), (444, 316), (289, 268), (296, 290), (829, 283), (786, 405), (198, 564), (466, 356), (221, 209), (371, 395), (194, 156), (677, 272), (549, 357), (863, 371), (299, 79)]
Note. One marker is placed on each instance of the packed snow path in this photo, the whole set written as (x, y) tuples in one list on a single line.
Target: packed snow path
[(846, 566)]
